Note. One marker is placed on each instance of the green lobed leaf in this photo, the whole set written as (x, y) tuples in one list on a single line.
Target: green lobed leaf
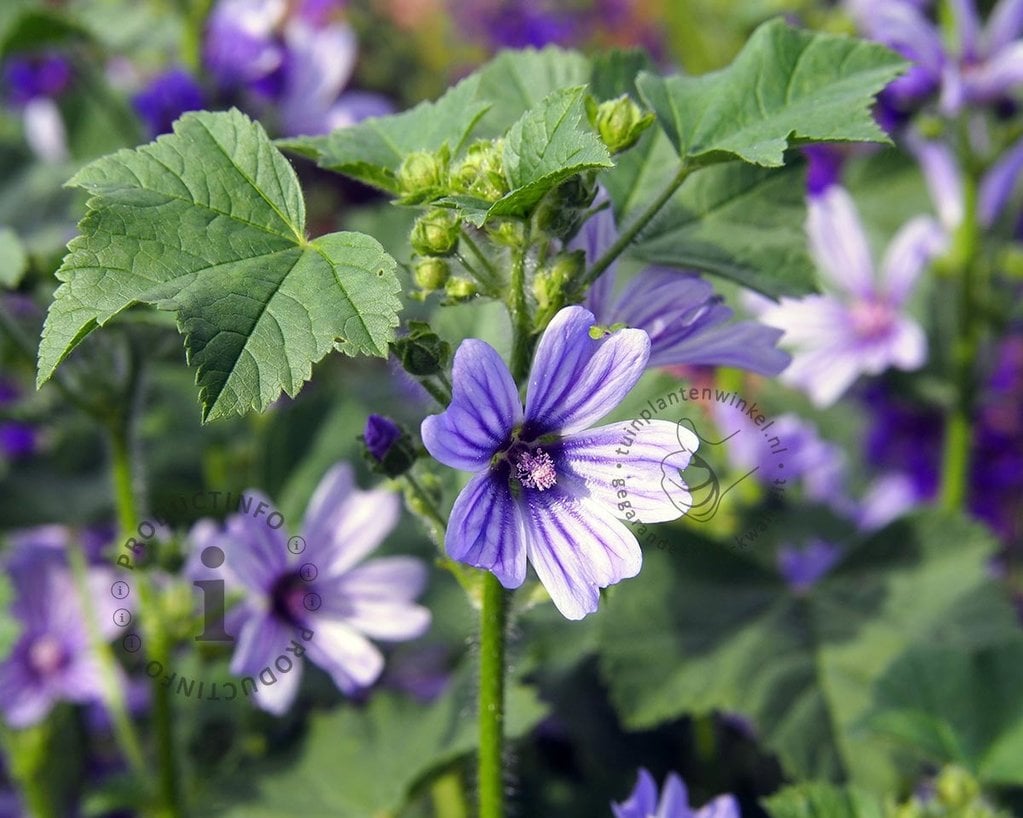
[(706, 627), (362, 761), (209, 222), (956, 706), (546, 146), (373, 150), (734, 220), (786, 86), (516, 81), (817, 799)]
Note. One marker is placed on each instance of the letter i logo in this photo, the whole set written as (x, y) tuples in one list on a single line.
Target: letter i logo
[(212, 599)]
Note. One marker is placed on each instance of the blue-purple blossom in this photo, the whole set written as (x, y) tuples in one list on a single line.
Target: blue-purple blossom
[(52, 661), (860, 327), (32, 77), (802, 567), (547, 487), (984, 65), (338, 603), (673, 803), (166, 97), (823, 167), (686, 321)]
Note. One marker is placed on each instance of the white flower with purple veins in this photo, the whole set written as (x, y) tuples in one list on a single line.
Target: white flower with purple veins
[(674, 801), (546, 486), (685, 319), (859, 327), (322, 589), (52, 660)]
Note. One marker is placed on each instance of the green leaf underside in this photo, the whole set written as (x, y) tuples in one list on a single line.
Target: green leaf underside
[(734, 220), (362, 761), (956, 706), (801, 666), (546, 146), (820, 800), (786, 86), (373, 150), (210, 222)]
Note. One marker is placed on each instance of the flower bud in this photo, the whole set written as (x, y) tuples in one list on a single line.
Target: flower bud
[(422, 352), (955, 787), (552, 282), (388, 448), (560, 212), (431, 273), (435, 233), (481, 172), (422, 176), (620, 122), (460, 289)]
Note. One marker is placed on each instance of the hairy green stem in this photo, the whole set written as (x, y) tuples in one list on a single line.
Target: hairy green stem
[(438, 393), (493, 278), (491, 714), (626, 236), (519, 309)]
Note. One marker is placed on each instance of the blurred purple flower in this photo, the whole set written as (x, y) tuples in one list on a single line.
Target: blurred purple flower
[(17, 440), (504, 24), (802, 567), (859, 327), (380, 434), (352, 602), (886, 499), (674, 801), (38, 76), (789, 449), (52, 660), (823, 167), (685, 319), (167, 96), (543, 485), (241, 48), (904, 437), (983, 66)]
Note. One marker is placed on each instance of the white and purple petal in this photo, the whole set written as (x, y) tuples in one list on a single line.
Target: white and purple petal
[(649, 456), (839, 243), (642, 800), (486, 529), (916, 244), (351, 660), (576, 379), (577, 547), (485, 407)]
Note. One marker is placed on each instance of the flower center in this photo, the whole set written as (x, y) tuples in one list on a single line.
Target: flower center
[(288, 595), (535, 470), (46, 655), (871, 319)]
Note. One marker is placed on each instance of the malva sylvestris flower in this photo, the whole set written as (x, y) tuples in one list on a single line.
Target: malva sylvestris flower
[(547, 488), (673, 803)]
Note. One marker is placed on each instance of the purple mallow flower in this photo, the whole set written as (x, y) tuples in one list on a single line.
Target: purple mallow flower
[(309, 591), (52, 660), (33, 77), (802, 567), (547, 488), (685, 319), (859, 327), (166, 97), (673, 803)]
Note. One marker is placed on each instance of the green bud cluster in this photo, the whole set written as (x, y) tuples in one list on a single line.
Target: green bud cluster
[(431, 273), (480, 172), (423, 175), (460, 289), (620, 122), (562, 210), (552, 282)]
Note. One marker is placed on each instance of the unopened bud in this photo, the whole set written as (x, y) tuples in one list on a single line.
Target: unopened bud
[(460, 289), (620, 122), (388, 448), (956, 788), (435, 233), (422, 352), (431, 273), (423, 176), (481, 171)]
